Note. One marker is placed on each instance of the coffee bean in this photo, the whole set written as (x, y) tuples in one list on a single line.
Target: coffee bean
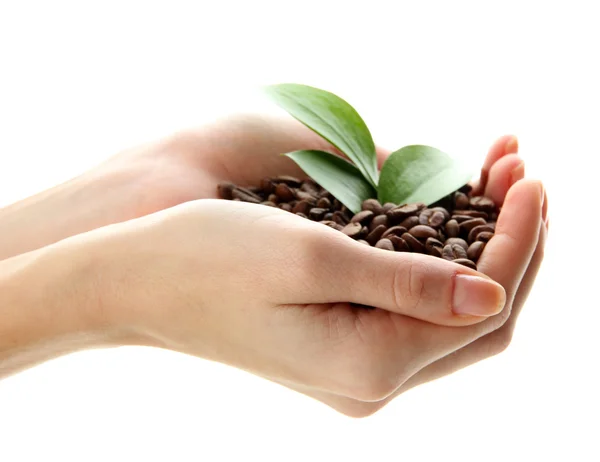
[(300, 214), (310, 188), (373, 205), (331, 224), (441, 235), (461, 200), (409, 222), (307, 197), (453, 251), (273, 198), (328, 216), (433, 243), (302, 207), (414, 244), (288, 180), (433, 217), (468, 225), (284, 192), (466, 262), (317, 214), (482, 204), (385, 244), (352, 230), (437, 219), (399, 244), (378, 220), (398, 214), (324, 203), (363, 217), (336, 205), (452, 228), (485, 236), (254, 189), (458, 241), (269, 204), (460, 218), (286, 207), (388, 206), (435, 252), (362, 241), (225, 190), (423, 231), (443, 211), (475, 250), (466, 189), (375, 235), (424, 216), (493, 216), (479, 229), (473, 214), (395, 230), (247, 196), (339, 218)]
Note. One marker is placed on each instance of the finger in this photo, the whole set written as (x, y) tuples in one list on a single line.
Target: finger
[(503, 174), (420, 286), (504, 145)]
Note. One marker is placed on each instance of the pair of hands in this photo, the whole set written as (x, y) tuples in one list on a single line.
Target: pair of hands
[(274, 294)]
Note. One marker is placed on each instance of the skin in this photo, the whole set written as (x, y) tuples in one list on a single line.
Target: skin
[(137, 252)]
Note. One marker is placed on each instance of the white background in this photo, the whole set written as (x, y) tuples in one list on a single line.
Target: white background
[(82, 80)]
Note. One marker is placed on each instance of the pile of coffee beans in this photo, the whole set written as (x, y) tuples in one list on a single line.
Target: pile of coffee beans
[(456, 228)]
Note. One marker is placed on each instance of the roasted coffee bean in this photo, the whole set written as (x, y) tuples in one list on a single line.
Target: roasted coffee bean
[(409, 222), (378, 220), (482, 204), (310, 188), (328, 216), (373, 205), (395, 230), (286, 207), (398, 214), (433, 217), (453, 251), (332, 224), (269, 204), (423, 231), (273, 198), (302, 207), (437, 219), (324, 203), (493, 216), (336, 205), (375, 235), (441, 236), (458, 241), (300, 214), (424, 216), (385, 244), (248, 191), (485, 236), (461, 200), (288, 180), (325, 193), (452, 229), (246, 196), (475, 250), (443, 211), (466, 189), (435, 252), (339, 218), (363, 217), (468, 225), (460, 218), (399, 244), (284, 192), (479, 229), (352, 230), (362, 241), (225, 190), (414, 244), (432, 243), (304, 196), (254, 189), (388, 206), (317, 214), (466, 262), (473, 214)]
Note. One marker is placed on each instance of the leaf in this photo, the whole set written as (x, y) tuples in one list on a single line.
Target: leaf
[(337, 175), (420, 174), (333, 119)]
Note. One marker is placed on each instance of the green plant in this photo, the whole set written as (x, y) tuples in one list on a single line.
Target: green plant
[(415, 173)]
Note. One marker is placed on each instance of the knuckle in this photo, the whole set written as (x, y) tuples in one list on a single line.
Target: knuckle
[(410, 283)]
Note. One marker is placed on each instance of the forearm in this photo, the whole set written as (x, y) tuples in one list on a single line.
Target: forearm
[(49, 307), (80, 205)]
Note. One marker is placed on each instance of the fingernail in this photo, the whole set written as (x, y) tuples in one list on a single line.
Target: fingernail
[(517, 173), (512, 146), (476, 296)]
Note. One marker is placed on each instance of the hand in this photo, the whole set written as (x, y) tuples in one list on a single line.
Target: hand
[(269, 292)]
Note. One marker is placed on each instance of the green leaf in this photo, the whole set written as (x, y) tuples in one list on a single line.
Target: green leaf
[(420, 174), (332, 118), (337, 175)]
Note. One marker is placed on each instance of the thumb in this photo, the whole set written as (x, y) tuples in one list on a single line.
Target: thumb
[(416, 285)]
